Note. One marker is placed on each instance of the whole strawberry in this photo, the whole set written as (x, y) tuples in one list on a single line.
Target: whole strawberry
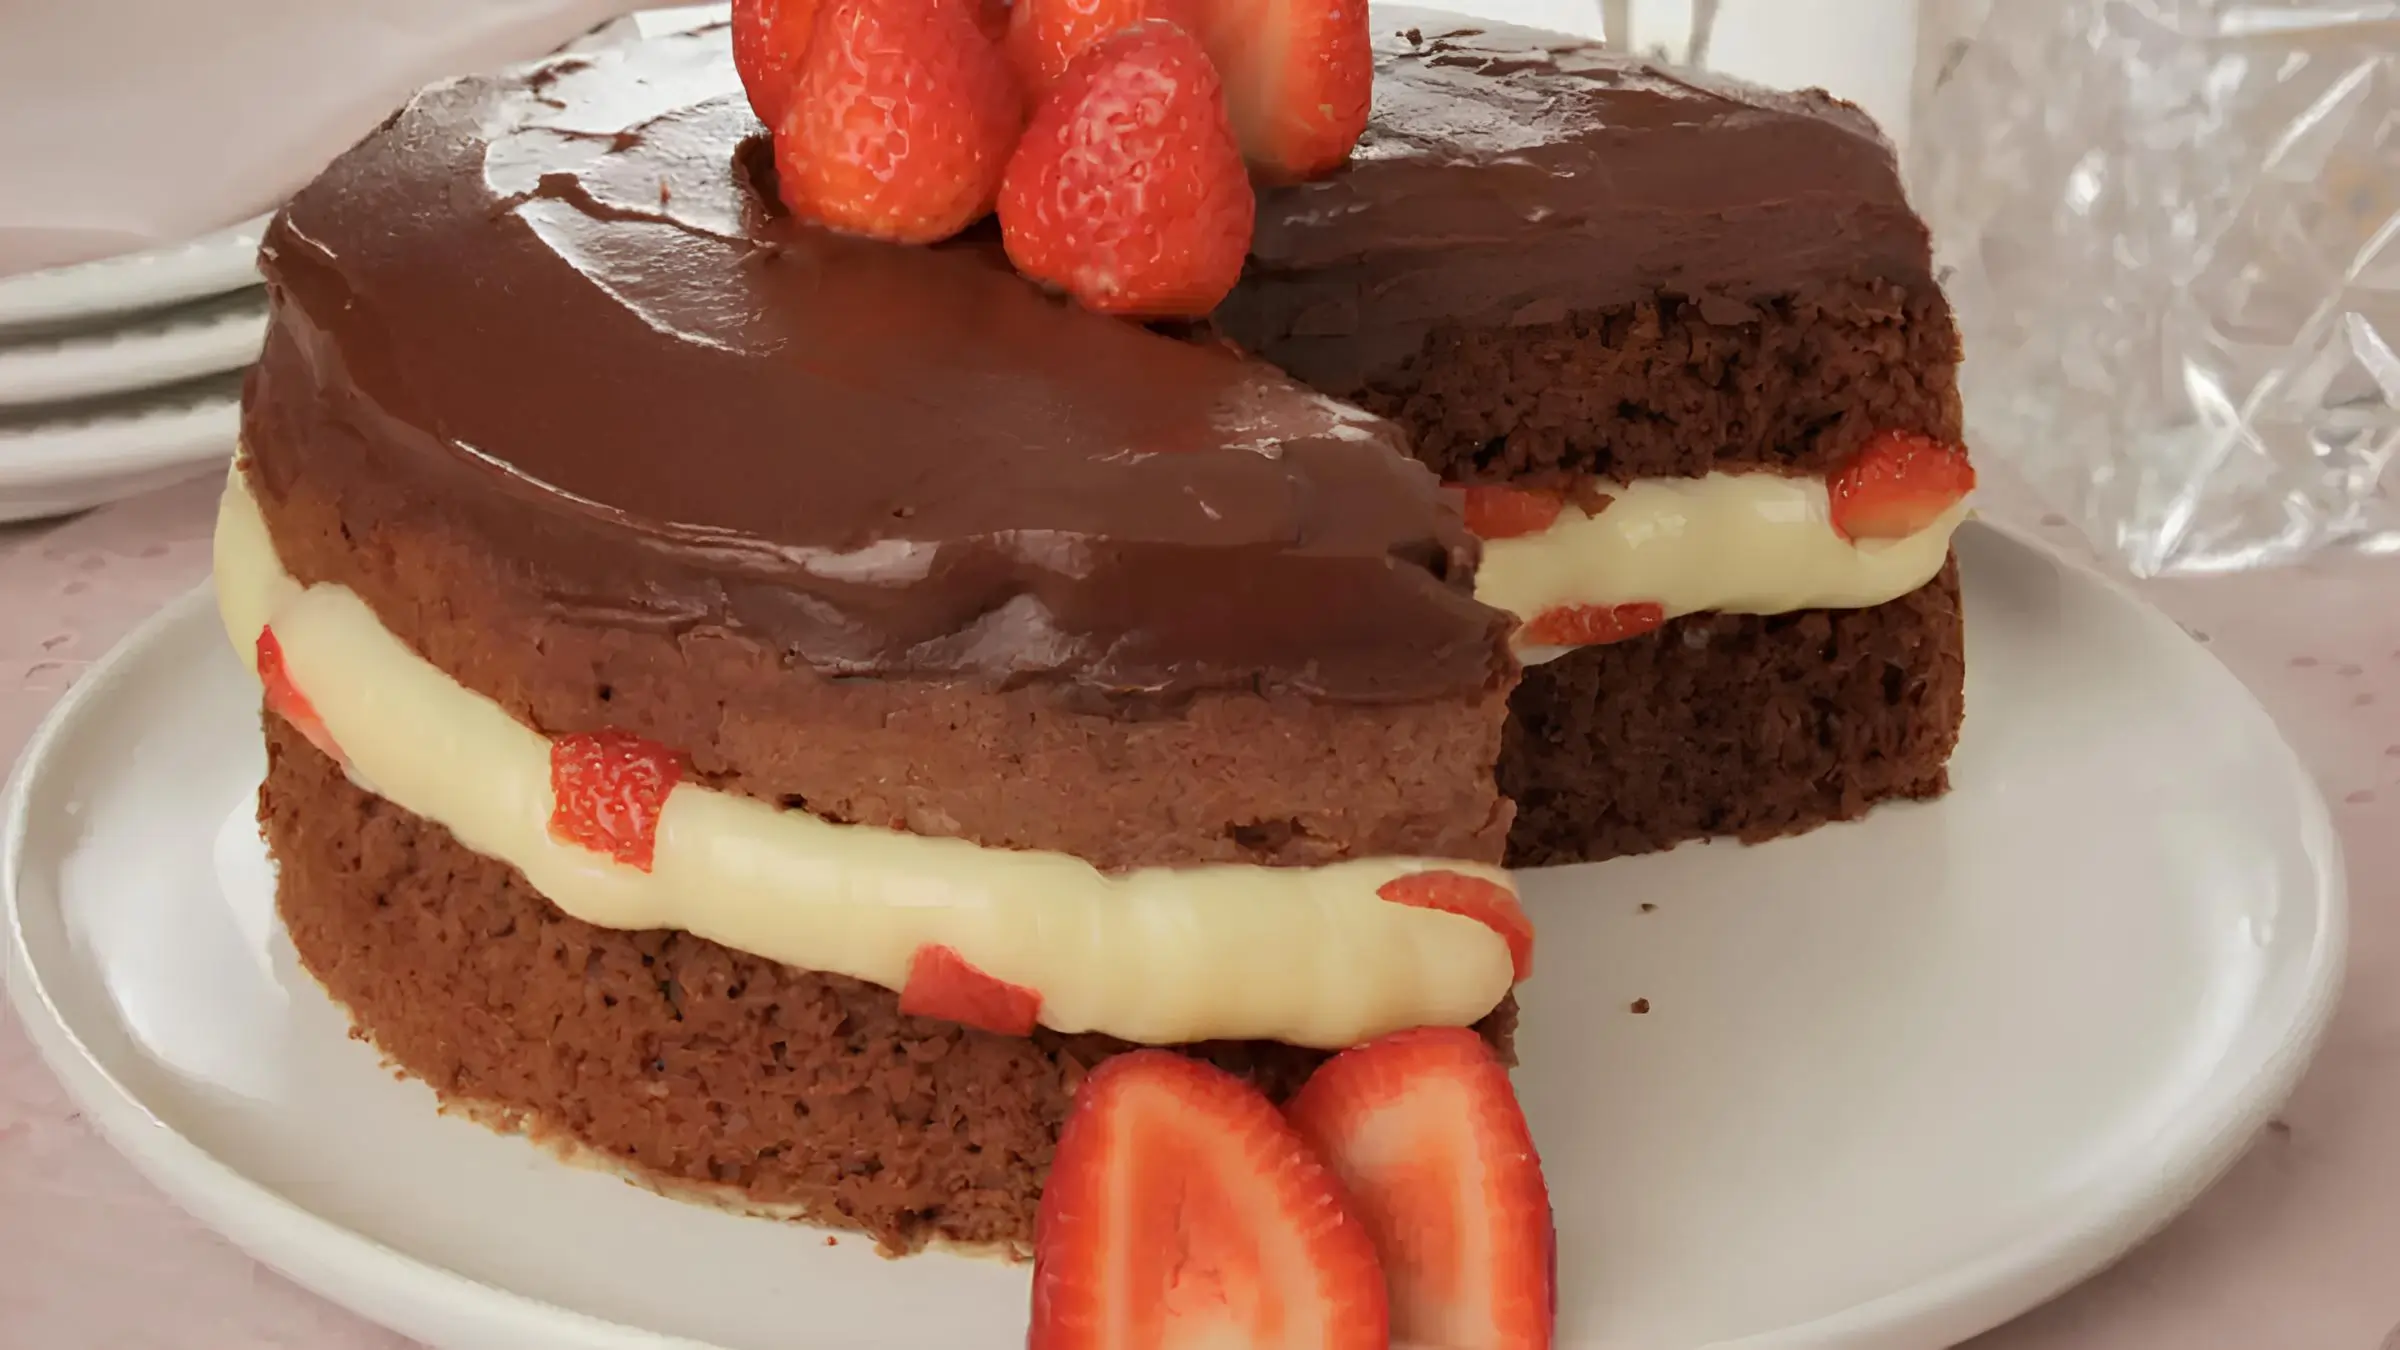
[(769, 38), (1128, 190), (901, 121), (1045, 35), (1299, 77)]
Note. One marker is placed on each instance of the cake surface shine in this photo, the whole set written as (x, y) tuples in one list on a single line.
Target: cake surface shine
[(669, 405)]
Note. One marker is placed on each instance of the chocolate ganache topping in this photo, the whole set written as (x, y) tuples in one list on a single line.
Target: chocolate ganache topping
[(1512, 176), (558, 309)]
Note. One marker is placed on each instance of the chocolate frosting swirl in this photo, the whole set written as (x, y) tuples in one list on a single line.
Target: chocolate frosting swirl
[(559, 309)]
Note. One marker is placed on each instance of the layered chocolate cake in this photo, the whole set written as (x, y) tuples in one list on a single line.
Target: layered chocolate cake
[(775, 709), (1667, 308)]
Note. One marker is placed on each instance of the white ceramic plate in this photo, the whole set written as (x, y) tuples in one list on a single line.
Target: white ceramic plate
[(210, 265), (144, 352), (56, 462), (1898, 1081)]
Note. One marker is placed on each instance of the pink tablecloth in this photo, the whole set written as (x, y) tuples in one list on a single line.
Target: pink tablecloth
[(2296, 1250)]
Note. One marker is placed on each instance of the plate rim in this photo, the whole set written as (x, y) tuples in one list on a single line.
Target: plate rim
[(215, 262), (227, 1200), (395, 1288), (129, 359)]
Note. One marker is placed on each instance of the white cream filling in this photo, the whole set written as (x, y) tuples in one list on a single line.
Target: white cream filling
[(1749, 543), (1308, 956)]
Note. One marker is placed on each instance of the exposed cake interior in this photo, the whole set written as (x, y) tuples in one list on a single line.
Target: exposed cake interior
[(1676, 307)]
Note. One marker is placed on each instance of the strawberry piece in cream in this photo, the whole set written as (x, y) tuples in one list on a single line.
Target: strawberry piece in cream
[(1505, 512), (608, 788), (1592, 625), (945, 985), (285, 700), (1898, 483), (1485, 901)]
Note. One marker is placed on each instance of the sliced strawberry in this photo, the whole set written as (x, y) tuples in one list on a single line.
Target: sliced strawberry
[(284, 699), (1128, 190), (900, 122), (1485, 901), (1897, 484), (1298, 78), (1505, 512), (1591, 625), (607, 789), (943, 984), (769, 38), (1045, 35), (1431, 1146), (1182, 1210)]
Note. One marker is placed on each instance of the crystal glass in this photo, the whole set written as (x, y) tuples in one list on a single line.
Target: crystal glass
[(2169, 228)]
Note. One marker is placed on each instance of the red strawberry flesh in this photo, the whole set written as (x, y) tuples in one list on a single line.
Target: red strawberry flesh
[(607, 790), (1425, 1133), (901, 120), (1128, 190), (1485, 901), (1182, 1210), (1299, 77), (945, 985), (1507, 513), (1045, 36), (284, 699), (1591, 625), (1897, 484), (769, 38)]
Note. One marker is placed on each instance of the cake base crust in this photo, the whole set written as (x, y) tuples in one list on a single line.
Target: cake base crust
[(1722, 724), (692, 1067)]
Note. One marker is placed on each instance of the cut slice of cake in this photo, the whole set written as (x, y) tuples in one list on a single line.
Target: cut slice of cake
[(1650, 320)]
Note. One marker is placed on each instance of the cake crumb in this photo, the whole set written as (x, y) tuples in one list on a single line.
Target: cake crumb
[(1648, 908), (1640, 1006), (832, 1241)]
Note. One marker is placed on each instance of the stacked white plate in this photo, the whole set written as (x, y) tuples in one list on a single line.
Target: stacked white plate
[(124, 374)]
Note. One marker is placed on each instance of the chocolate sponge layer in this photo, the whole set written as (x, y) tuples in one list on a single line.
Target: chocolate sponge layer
[(1674, 387), (1744, 725), (688, 1064)]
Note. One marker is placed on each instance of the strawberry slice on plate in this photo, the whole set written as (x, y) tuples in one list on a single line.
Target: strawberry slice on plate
[(1183, 1210), (1485, 901), (1897, 484), (945, 985), (900, 120), (1128, 191), (1299, 76), (1430, 1145), (607, 789)]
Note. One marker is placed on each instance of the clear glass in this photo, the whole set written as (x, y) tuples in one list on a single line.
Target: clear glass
[(2169, 229)]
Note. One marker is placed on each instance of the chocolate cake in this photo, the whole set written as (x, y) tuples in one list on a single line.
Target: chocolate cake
[(774, 708), (1560, 269)]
